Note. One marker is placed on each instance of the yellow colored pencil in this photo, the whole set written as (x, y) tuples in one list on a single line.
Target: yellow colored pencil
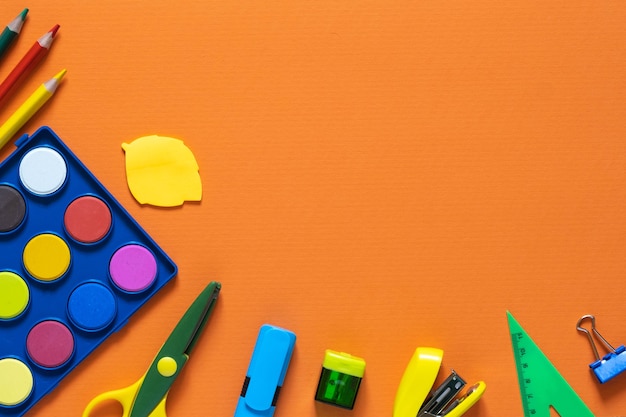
[(29, 108)]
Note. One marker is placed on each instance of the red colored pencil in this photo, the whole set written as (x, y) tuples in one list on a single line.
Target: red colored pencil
[(28, 62)]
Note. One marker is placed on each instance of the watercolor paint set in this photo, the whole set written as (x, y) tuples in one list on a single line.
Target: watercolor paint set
[(74, 267)]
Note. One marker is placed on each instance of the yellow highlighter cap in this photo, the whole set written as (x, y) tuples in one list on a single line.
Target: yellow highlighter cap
[(344, 363), (417, 381), (162, 171)]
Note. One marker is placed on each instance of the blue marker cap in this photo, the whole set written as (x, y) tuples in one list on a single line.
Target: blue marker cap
[(266, 372)]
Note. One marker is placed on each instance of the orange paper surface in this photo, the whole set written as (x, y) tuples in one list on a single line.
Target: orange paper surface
[(377, 176)]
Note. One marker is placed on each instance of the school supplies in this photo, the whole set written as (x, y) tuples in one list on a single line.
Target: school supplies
[(417, 382), (340, 379), (611, 364), (147, 396), (541, 385), (28, 61), (266, 372), (74, 268), (11, 31), (32, 104)]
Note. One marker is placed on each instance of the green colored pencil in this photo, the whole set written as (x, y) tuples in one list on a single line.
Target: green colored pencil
[(11, 31)]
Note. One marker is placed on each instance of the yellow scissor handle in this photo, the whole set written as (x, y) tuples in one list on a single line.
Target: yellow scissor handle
[(126, 397)]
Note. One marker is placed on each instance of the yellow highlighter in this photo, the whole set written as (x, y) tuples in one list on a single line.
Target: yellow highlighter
[(415, 386), (29, 108)]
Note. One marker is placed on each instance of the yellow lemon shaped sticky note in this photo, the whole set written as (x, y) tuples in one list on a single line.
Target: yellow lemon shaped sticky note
[(162, 171)]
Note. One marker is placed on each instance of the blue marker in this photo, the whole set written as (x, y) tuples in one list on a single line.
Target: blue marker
[(266, 372)]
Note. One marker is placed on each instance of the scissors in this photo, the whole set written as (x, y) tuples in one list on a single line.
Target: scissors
[(146, 397)]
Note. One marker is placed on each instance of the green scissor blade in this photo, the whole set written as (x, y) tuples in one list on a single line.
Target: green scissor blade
[(175, 352), (541, 385)]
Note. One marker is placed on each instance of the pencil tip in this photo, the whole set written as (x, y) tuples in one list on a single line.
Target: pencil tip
[(54, 30), (23, 14), (60, 75)]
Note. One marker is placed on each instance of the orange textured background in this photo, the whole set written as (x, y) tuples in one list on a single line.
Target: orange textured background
[(377, 176)]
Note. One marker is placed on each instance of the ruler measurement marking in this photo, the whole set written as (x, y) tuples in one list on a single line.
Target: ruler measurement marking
[(523, 367)]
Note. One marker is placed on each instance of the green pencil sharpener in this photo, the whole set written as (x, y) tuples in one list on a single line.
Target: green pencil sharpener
[(340, 379)]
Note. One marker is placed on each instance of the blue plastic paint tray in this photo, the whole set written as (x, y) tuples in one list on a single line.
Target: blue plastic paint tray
[(74, 267)]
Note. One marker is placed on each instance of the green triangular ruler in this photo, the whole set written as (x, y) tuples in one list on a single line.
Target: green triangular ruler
[(541, 385)]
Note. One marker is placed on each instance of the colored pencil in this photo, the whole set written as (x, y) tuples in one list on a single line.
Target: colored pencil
[(29, 108), (28, 62), (10, 32)]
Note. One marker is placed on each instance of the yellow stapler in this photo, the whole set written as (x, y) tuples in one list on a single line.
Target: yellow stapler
[(412, 397)]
